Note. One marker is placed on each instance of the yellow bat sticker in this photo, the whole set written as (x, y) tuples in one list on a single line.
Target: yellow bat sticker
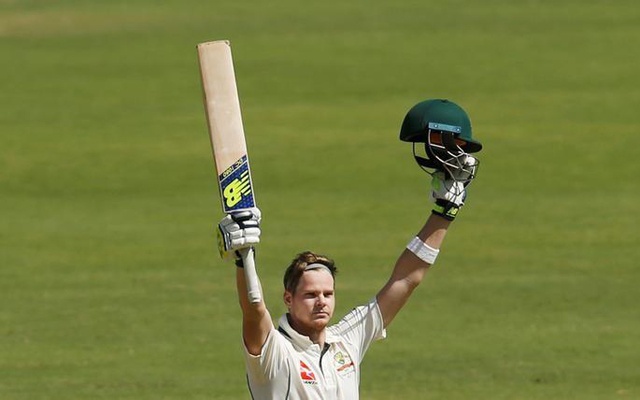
[(235, 186)]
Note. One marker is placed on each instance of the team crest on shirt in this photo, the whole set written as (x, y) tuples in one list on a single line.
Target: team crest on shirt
[(307, 375), (343, 363)]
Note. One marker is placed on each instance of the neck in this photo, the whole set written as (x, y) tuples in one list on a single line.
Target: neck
[(316, 336)]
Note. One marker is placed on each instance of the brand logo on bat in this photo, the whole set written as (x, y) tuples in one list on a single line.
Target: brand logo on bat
[(235, 186)]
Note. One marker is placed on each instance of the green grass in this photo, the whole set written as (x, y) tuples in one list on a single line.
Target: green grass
[(110, 284)]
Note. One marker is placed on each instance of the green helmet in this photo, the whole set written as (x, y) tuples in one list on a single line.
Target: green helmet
[(438, 115), (445, 129)]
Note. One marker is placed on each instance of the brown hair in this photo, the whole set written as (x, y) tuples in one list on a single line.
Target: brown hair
[(297, 267)]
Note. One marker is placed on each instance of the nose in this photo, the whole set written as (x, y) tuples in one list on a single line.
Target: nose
[(321, 300)]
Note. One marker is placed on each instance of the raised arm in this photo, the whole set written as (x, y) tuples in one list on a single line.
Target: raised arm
[(413, 263), (410, 269), (256, 320), (238, 233)]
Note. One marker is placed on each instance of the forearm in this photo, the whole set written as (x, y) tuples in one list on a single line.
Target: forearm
[(410, 270), (250, 310), (434, 231), (256, 320)]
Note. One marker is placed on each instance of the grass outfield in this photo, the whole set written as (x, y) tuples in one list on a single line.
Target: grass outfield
[(110, 285)]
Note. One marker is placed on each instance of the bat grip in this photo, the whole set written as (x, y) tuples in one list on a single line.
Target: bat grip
[(251, 276)]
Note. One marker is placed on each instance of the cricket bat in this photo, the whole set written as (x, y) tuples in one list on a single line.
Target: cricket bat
[(224, 121)]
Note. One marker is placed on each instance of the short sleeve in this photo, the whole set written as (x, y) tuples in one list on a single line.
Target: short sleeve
[(269, 362)]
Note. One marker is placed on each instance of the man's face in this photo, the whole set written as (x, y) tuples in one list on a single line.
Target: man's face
[(311, 306)]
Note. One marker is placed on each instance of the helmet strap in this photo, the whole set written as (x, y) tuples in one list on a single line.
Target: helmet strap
[(424, 162)]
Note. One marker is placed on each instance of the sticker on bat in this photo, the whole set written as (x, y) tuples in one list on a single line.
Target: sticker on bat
[(235, 186)]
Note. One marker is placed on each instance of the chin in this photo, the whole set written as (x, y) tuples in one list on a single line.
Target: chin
[(321, 322)]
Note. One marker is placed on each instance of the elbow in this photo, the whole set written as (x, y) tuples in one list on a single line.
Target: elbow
[(253, 311), (403, 285), (414, 279), (411, 282)]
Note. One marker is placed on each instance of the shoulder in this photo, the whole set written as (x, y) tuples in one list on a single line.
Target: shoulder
[(276, 353), (357, 318)]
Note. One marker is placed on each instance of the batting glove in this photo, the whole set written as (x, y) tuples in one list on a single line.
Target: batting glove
[(238, 230), (465, 168), (448, 191)]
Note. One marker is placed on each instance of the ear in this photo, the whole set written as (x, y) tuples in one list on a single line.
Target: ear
[(287, 297)]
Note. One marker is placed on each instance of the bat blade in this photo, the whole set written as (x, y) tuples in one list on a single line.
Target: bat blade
[(224, 120)]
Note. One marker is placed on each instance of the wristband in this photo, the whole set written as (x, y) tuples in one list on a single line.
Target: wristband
[(422, 250), (446, 209)]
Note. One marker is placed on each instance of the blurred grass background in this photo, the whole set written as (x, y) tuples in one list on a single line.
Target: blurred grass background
[(110, 283)]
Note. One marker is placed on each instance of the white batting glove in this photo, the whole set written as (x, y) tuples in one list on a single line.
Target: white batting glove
[(448, 191), (238, 230), (466, 169)]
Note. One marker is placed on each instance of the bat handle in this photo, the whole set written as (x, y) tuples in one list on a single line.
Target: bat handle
[(251, 276)]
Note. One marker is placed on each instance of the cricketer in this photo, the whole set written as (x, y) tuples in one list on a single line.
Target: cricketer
[(306, 357)]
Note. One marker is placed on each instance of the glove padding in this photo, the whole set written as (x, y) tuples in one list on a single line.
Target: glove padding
[(238, 230), (448, 190)]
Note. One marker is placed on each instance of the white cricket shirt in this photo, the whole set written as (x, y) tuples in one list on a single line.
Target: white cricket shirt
[(291, 367)]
